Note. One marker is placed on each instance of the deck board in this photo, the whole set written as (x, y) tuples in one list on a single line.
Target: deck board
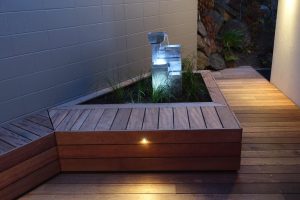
[(21, 131), (57, 116), (136, 119), (69, 120), (226, 117), (166, 119), (181, 119), (107, 119), (41, 120), (151, 119), (12, 138), (32, 127), (211, 118), (121, 119), (5, 147), (92, 120), (196, 118), (80, 120)]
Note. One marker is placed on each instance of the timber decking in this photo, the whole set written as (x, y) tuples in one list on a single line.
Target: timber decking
[(28, 154), (270, 167), (181, 136), (142, 119)]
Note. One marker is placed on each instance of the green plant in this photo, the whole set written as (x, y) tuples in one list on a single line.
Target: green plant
[(233, 40), (141, 94), (142, 90), (187, 64), (160, 94), (118, 92), (190, 83), (229, 56)]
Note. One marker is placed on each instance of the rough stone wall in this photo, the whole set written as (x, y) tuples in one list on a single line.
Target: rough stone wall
[(216, 17)]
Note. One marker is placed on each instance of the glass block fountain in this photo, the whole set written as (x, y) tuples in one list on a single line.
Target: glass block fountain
[(166, 62)]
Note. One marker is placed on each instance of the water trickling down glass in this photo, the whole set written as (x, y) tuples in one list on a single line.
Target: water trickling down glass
[(166, 62)]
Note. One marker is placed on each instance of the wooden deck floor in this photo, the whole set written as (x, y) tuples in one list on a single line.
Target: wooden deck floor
[(270, 156), (24, 131)]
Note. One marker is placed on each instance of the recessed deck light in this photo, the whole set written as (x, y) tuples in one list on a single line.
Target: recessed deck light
[(145, 141)]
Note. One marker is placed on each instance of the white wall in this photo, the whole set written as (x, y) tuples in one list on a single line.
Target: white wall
[(286, 57), (52, 51)]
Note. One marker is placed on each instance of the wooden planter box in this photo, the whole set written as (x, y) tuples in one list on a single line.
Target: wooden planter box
[(149, 137)]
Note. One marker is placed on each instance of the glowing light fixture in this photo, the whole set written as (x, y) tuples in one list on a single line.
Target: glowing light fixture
[(145, 141)]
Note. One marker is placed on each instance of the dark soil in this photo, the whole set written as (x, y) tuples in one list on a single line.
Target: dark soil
[(193, 90)]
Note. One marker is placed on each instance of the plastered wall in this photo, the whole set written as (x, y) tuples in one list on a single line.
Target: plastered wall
[(286, 57)]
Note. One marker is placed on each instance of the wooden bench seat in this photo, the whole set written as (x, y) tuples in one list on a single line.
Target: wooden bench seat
[(149, 137), (28, 154)]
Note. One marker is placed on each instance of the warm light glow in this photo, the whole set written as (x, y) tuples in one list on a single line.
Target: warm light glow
[(290, 3), (287, 33), (144, 141), (286, 59), (288, 8)]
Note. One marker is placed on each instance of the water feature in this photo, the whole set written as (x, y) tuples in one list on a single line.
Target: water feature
[(166, 62)]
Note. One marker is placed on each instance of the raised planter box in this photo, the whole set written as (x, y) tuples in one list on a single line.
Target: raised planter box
[(149, 137)]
